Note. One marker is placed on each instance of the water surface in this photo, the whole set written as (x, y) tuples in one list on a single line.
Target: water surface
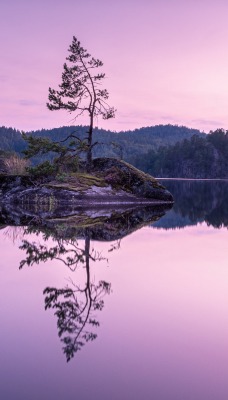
[(153, 320)]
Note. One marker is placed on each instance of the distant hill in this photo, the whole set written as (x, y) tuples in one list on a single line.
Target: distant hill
[(198, 157), (125, 144), (161, 150), (11, 140)]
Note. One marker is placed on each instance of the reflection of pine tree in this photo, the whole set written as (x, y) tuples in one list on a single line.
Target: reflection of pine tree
[(74, 313), (74, 306)]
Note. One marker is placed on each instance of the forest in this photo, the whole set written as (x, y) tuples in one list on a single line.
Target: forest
[(199, 157), (163, 151)]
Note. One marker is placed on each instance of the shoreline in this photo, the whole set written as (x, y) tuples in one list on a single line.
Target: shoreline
[(193, 179)]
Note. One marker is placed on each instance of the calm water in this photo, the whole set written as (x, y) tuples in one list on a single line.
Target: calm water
[(141, 316)]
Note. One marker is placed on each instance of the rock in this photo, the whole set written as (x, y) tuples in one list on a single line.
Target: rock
[(125, 176), (110, 182)]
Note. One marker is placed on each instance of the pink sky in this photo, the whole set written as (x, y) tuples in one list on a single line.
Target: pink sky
[(166, 61)]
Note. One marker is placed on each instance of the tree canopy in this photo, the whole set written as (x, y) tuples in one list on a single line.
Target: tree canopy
[(80, 90)]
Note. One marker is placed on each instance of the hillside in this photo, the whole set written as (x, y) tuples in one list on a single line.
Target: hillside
[(125, 144), (11, 140), (195, 158), (162, 150)]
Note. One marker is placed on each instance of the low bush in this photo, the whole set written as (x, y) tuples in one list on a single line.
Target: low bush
[(15, 165), (44, 169)]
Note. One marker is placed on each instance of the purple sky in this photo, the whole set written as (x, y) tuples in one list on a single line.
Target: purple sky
[(166, 61)]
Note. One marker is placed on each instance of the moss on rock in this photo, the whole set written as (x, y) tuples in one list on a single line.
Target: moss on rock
[(110, 181)]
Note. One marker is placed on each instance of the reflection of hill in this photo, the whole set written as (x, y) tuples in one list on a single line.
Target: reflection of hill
[(173, 220), (196, 201)]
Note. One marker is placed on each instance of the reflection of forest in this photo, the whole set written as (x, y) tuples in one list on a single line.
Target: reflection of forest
[(196, 201)]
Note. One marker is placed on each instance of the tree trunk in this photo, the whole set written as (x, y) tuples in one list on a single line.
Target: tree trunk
[(89, 152), (87, 259)]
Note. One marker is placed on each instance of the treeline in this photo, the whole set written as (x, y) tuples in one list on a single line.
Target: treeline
[(199, 157), (123, 145), (162, 151), (11, 140)]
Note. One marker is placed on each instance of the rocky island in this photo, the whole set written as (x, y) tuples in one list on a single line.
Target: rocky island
[(111, 183)]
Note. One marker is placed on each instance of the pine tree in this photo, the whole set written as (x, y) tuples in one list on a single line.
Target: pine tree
[(80, 91)]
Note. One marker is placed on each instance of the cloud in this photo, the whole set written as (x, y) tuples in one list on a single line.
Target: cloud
[(168, 118), (207, 122), (142, 118), (28, 103)]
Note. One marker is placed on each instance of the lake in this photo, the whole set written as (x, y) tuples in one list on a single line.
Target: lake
[(133, 309)]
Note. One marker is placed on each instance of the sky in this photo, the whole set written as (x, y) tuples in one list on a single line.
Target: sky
[(166, 61)]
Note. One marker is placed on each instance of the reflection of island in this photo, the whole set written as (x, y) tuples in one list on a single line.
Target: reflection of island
[(195, 202), (76, 305), (104, 223)]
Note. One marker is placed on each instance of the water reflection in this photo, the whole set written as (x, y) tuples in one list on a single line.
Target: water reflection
[(196, 202), (76, 304), (106, 223), (163, 328)]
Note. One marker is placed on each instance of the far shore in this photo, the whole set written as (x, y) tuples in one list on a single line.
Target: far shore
[(192, 179)]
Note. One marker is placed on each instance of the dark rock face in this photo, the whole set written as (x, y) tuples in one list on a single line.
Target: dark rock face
[(2, 165), (122, 184), (131, 179)]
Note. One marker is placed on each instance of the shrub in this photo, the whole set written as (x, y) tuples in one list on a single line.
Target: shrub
[(44, 169), (15, 165), (61, 177)]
